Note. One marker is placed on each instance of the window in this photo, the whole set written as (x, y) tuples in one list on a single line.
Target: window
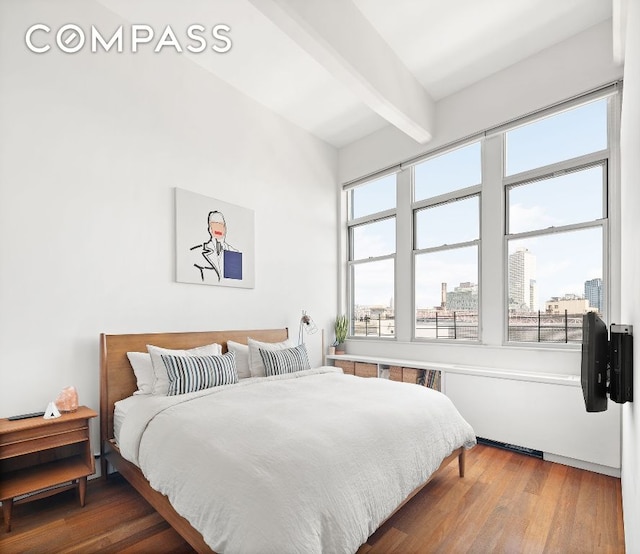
[(556, 223), (372, 248), (454, 170), (373, 197), (566, 135), (446, 222), (526, 205)]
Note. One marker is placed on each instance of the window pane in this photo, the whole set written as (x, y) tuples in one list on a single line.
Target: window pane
[(548, 275), (449, 223), (451, 171), (373, 291), (559, 137), (374, 197), (571, 198), (374, 239), (447, 294)]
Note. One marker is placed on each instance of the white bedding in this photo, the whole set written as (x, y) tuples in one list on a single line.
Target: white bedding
[(307, 462)]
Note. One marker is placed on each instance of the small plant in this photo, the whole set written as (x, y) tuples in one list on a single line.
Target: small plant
[(341, 328)]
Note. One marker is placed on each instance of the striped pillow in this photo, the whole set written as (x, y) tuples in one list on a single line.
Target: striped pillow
[(193, 373), (289, 360)]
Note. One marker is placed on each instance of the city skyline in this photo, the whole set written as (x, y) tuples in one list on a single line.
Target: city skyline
[(464, 297)]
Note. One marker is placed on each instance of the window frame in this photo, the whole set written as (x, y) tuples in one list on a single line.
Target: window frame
[(493, 307), (353, 223), (441, 200), (571, 165)]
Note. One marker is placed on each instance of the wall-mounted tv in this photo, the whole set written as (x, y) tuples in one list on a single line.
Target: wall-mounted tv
[(595, 362), (607, 365)]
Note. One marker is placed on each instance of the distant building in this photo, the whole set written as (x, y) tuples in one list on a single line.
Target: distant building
[(523, 293), (427, 313), (533, 295), (362, 313), (463, 298), (572, 303), (593, 292), (380, 311)]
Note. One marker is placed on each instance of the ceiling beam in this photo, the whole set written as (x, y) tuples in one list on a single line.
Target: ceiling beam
[(343, 41)]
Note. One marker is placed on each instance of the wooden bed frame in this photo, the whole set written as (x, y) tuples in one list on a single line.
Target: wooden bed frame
[(117, 381)]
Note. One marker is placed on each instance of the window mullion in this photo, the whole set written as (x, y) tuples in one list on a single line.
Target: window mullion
[(491, 253), (404, 302)]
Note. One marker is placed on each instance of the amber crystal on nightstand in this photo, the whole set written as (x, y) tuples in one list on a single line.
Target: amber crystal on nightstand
[(67, 400)]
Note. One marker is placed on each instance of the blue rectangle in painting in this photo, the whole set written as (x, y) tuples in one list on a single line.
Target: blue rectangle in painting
[(232, 265)]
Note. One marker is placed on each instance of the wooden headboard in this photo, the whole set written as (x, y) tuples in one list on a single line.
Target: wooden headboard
[(117, 380)]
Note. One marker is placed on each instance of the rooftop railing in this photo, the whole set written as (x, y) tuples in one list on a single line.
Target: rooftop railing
[(463, 325)]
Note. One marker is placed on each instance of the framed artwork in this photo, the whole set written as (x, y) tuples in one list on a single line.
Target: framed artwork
[(215, 241)]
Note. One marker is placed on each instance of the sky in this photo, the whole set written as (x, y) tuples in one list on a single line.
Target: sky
[(564, 260)]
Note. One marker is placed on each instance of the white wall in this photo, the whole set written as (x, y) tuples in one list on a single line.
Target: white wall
[(630, 282), (91, 147), (572, 67), (575, 66)]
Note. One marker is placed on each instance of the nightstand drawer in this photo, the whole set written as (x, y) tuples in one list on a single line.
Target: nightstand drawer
[(56, 437), (41, 430)]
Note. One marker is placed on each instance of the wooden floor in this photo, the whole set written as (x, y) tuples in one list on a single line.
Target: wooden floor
[(507, 502)]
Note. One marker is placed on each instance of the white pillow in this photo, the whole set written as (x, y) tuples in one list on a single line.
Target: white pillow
[(242, 358), (143, 370), (256, 365), (161, 382)]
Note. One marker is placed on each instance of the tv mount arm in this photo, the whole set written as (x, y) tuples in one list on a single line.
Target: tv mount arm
[(620, 370)]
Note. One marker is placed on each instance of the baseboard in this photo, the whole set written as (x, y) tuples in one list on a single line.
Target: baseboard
[(580, 464), (511, 447)]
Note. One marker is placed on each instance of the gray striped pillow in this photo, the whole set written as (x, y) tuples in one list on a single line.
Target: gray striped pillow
[(289, 360), (194, 373)]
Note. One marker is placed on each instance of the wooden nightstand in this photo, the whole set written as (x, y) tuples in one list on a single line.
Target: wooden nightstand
[(40, 457)]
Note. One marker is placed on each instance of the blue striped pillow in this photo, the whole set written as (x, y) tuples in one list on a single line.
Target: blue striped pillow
[(289, 360), (194, 373)]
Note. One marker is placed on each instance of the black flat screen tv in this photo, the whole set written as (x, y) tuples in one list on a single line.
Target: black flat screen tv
[(595, 362)]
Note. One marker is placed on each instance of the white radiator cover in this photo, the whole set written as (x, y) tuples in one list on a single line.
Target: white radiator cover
[(544, 416)]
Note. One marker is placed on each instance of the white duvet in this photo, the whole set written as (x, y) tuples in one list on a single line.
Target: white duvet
[(304, 463)]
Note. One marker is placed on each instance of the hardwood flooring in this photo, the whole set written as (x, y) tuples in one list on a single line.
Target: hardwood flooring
[(506, 502)]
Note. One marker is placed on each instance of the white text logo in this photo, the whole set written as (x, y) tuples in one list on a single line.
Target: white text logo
[(71, 38)]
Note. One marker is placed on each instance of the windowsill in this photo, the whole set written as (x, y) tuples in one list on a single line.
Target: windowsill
[(458, 343), (479, 371)]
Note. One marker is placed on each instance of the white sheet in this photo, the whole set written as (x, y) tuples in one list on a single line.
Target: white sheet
[(121, 409), (309, 462)]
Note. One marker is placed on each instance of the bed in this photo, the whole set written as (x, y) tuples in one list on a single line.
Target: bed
[(309, 452)]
